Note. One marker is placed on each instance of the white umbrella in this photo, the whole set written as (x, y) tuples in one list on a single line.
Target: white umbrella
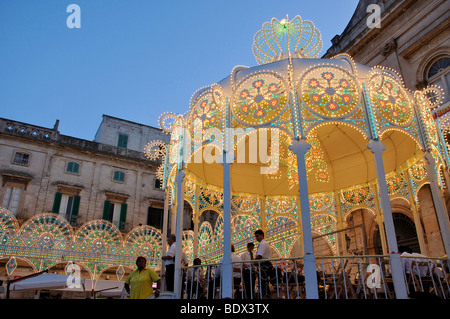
[(103, 288), (45, 281)]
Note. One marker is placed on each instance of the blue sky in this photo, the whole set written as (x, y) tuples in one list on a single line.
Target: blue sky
[(133, 59)]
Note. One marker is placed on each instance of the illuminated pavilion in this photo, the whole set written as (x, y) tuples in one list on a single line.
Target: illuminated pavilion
[(292, 146)]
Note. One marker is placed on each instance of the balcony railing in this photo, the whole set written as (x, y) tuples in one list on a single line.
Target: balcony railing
[(347, 277)]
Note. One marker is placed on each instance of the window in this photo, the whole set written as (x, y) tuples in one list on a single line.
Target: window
[(155, 217), (73, 167), (115, 213), (11, 199), (119, 176), (123, 141), (21, 158), (438, 67), (158, 184), (439, 74), (67, 207)]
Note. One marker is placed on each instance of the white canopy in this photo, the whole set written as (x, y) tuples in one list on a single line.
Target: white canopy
[(104, 288), (43, 281)]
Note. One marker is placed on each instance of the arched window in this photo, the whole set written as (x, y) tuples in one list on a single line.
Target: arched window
[(438, 73)]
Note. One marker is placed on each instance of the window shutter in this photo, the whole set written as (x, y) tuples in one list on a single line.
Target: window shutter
[(155, 217), (119, 176), (76, 205), (123, 141), (57, 203), (106, 209), (123, 216), (73, 167)]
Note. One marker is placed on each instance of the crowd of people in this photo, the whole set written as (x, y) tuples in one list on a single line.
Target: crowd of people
[(199, 284), (139, 284), (248, 269)]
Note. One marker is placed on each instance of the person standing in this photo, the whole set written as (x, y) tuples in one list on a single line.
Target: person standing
[(195, 278), (249, 272), (141, 281), (169, 262), (236, 272), (265, 267)]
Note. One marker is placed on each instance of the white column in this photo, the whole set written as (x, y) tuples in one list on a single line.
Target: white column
[(300, 147), (377, 149), (227, 269), (164, 235), (196, 219), (179, 228), (438, 203)]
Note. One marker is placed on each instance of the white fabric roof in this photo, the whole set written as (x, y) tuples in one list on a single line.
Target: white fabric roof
[(112, 287), (43, 281)]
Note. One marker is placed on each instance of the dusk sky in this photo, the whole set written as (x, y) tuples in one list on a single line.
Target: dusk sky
[(132, 59)]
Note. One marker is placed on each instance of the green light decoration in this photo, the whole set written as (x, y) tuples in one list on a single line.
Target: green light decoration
[(276, 39)]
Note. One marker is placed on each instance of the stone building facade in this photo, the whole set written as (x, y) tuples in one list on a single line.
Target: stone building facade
[(109, 178), (42, 171), (412, 38)]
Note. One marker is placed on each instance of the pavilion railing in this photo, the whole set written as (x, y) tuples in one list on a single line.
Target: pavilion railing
[(338, 277), (426, 276)]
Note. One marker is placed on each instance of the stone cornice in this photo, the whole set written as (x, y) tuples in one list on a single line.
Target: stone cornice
[(51, 137)]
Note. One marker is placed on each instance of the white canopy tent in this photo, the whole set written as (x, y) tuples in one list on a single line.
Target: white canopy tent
[(102, 288), (43, 281), (50, 281)]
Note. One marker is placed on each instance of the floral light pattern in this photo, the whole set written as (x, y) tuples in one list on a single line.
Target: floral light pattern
[(146, 240), (47, 227), (395, 183), (418, 171), (281, 204), (329, 91), (428, 120), (321, 202), (392, 102), (188, 245), (260, 99), (8, 224), (204, 115), (357, 196)]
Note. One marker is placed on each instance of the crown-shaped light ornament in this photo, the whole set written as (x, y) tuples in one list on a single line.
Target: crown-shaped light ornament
[(279, 39)]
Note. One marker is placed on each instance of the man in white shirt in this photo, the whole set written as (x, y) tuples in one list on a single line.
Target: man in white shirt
[(169, 262), (265, 267), (263, 251)]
